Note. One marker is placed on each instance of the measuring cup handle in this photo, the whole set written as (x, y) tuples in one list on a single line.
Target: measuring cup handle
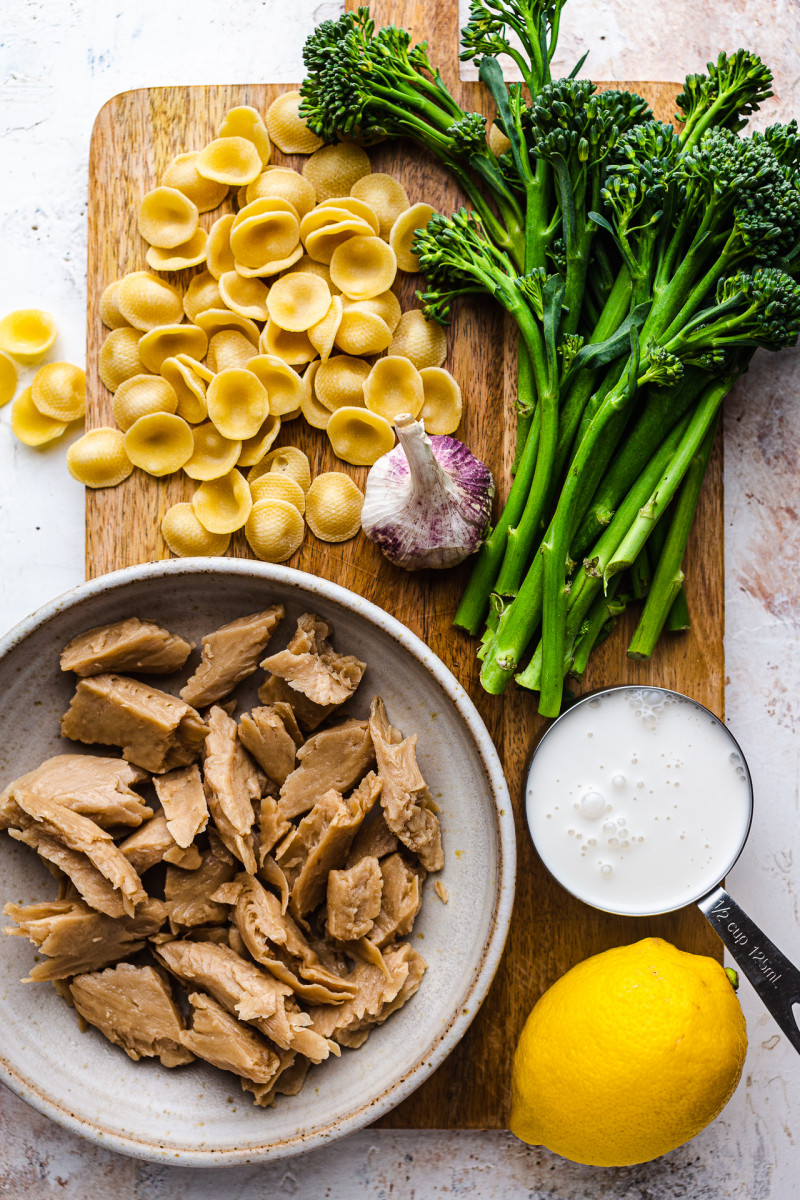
[(776, 980)]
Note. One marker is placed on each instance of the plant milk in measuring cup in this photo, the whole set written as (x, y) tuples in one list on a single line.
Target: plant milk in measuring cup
[(638, 800)]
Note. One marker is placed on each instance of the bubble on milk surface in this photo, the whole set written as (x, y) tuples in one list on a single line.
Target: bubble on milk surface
[(593, 805), (618, 781)]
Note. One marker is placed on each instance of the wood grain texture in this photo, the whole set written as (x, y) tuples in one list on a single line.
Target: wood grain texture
[(135, 136)]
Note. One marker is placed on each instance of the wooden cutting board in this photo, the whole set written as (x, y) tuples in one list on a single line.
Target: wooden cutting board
[(135, 136)]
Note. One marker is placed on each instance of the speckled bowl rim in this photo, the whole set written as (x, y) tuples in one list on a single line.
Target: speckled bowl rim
[(35, 1094)]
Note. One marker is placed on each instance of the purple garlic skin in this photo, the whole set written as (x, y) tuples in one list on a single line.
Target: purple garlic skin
[(428, 501)]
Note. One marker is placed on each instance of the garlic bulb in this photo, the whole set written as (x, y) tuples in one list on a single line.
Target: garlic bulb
[(428, 501)]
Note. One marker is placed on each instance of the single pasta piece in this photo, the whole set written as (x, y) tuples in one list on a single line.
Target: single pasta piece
[(340, 381), (187, 538), (385, 195), (498, 142), (182, 173), (159, 443), (119, 357), (298, 300), (263, 233), (219, 256), (386, 306), (246, 297), (402, 234), (274, 530), (165, 341), (274, 486), (316, 414), (167, 218), (334, 169), (248, 123), (294, 348), (254, 448), (145, 301), (27, 334), (231, 160), (287, 128), (323, 334), (8, 378), (284, 386), (330, 227), (359, 436), (141, 395), (362, 332), (188, 385), (110, 315), (333, 507), (273, 267), (213, 455), (311, 266), (188, 254), (31, 426), (394, 386), (202, 293), (223, 505), (59, 391), (442, 404), (363, 267), (285, 460), (99, 459), (213, 320), (229, 348), (358, 208), (282, 183), (238, 404), (423, 342)]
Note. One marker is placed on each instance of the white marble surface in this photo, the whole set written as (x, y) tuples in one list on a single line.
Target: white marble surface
[(59, 61)]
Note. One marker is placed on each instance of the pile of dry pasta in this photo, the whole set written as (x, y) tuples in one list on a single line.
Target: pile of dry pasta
[(289, 312)]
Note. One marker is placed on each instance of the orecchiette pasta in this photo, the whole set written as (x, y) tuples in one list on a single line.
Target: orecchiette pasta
[(213, 320), (323, 334), (165, 341), (98, 459), (298, 300), (363, 267), (247, 297), (386, 197), (59, 391), (31, 426), (110, 315), (231, 160), (294, 348), (285, 460), (188, 254), (248, 123), (264, 233), (27, 334), (498, 142), (145, 301), (254, 448), (423, 342), (202, 293), (159, 443), (212, 454), (282, 183), (340, 381), (219, 256), (167, 218), (119, 357), (8, 378), (386, 306), (223, 505), (287, 128), (284, 386), (394, 386), (274, 530), (238, 404), (333, 507), (311, 266), (316, 414), (189, 387), (187, 538), (323, 229), (362, 332), (354, 206), (359, 436), (402, 234), (229, 348), (182, 173), (141, 395), (441, 407), (274, 486), (334, 169)]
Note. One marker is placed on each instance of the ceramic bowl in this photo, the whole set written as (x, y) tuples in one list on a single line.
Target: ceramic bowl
[(195, 1114)]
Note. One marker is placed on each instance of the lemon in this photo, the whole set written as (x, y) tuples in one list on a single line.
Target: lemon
[(628, 1055)]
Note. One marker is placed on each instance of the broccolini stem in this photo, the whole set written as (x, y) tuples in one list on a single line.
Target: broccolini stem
[(668, 579), (599, 623)]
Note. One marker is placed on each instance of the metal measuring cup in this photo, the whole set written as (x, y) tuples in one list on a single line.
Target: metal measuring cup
[(774, 977)]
